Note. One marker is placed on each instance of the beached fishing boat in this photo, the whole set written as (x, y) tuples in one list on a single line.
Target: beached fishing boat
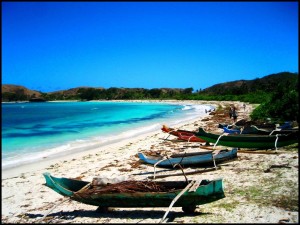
[(249, 140), (139, 193), (183, 135), (190, 159)]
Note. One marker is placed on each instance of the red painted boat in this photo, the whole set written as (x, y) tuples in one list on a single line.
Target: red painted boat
[(183, 135)]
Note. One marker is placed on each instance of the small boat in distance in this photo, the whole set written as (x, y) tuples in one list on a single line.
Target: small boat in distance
[(183, 135)]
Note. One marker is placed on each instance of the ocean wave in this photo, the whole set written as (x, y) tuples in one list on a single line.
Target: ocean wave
[(96, 136), (187, 107)]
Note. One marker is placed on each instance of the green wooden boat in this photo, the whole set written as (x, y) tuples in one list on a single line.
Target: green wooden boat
[(249, 140), (120, 195)]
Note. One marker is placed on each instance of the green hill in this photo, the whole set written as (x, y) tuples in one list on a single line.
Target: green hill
[(269, 83), (255, 91)]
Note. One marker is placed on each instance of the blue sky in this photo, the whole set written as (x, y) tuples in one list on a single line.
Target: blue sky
[(49, 46)]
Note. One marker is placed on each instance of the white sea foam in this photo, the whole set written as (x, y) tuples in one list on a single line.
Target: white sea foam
[(187, 107), (190, 112)]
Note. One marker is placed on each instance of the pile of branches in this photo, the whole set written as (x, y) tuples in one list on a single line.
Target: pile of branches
[(129, 186)]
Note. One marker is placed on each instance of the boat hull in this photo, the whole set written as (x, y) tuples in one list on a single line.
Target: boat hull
[(201, 159), (249, 141), (208, 191), (183, 135)]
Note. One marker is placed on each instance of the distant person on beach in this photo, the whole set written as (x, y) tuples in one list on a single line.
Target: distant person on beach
[(234, 114), (230, 112), (244, 105)]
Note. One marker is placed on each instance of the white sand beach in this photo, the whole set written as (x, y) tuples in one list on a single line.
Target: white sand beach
[(259, 188)]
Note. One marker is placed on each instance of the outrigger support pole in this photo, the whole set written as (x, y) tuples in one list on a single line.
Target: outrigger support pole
[(176, 198), (218, 140)]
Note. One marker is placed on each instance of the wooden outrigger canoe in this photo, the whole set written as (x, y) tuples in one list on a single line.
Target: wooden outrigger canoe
[(190, 159), (183, 135), (135, 193), (249, 140)]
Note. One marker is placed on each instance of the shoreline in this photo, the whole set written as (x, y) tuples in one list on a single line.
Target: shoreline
[(47, 160), (26, 200)]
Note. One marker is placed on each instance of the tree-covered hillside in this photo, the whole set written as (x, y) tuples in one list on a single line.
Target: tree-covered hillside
[(277, 94), (266, 84)]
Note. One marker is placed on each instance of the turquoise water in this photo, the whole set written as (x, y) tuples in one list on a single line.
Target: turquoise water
[(32, 131)]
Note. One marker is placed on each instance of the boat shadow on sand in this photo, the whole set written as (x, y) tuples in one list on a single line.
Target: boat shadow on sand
[(116, 213)]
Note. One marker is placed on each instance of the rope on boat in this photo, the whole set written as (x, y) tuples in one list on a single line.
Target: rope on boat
[(178, 164), (213, 157), (195, 186), (154, 166), (272, 132), (276, 129), (167, 158), (169, 132), (181, 136), (276, 142), (84, 188), (241, 130), (190, 138), (218, 140), (168, 136), (176, 198)]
